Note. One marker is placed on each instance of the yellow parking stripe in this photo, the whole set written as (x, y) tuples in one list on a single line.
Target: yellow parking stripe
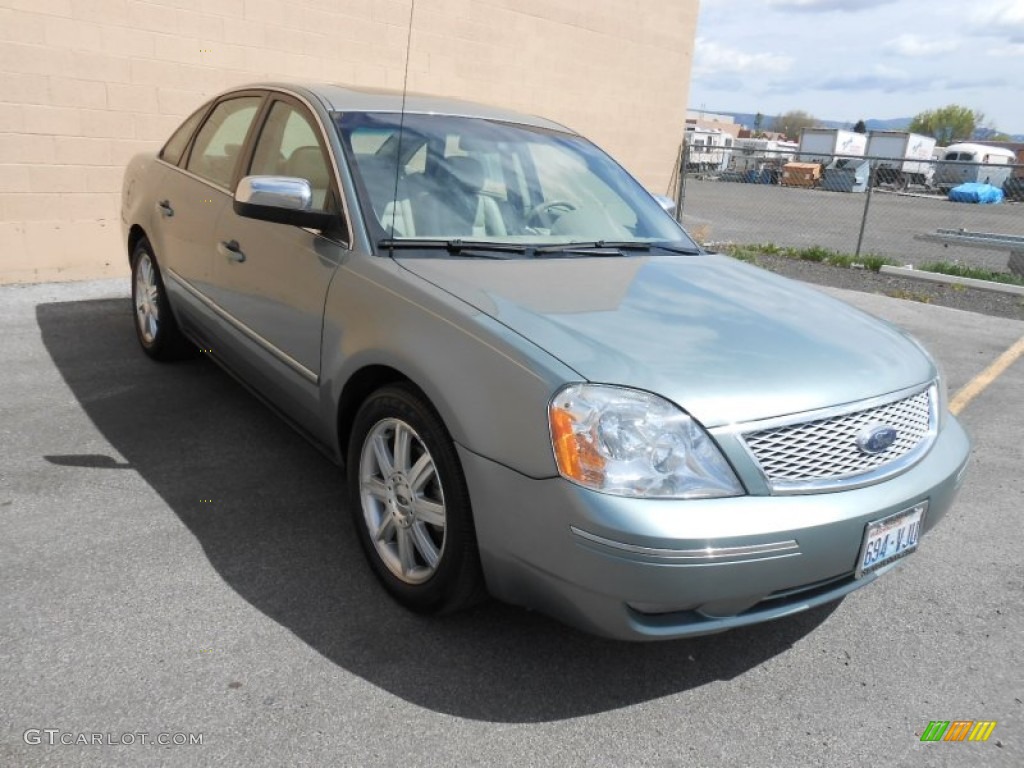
[(980, 383)]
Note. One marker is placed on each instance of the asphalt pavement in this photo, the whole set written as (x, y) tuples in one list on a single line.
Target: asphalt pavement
[(720, 211), (175, 565)]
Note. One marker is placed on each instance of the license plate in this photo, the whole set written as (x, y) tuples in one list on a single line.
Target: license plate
[(890, 539)]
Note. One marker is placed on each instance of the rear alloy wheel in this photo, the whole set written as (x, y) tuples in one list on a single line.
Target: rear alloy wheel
[(410, 504), (154, 323)]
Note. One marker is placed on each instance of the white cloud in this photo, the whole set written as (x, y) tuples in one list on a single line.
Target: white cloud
[(1002, 12), (916, 46), (1010, 50), (825, 6), (713, 58), (1000, 18), (878, 78)]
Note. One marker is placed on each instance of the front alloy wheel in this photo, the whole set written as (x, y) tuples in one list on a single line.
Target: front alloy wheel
[(410, 504), (402, 500)]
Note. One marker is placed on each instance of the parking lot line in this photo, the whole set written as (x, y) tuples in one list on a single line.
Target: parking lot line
[(980, 383)]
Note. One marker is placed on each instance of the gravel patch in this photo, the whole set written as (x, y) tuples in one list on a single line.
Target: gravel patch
[(956, 296)]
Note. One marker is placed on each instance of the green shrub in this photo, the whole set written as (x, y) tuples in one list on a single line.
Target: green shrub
[(875, 263), (814, 253)]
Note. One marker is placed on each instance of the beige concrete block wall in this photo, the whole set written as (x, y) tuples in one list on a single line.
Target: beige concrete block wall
[(85, 84)]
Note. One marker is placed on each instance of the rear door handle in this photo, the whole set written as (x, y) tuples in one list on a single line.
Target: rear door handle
[(230, 250), (164, 206)]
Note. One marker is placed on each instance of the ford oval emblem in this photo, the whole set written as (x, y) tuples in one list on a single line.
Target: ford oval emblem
[(876, 438)]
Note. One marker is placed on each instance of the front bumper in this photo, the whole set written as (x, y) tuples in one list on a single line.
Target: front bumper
[(644, 569)]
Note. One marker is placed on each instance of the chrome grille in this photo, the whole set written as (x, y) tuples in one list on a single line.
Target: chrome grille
[(824, 452)]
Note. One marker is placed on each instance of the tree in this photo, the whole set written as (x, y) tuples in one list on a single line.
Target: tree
[(860, 127), (948, 124), (792, 122), (758, 123)]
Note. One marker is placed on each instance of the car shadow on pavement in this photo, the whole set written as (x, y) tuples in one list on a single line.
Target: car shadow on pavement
[(267, 509)]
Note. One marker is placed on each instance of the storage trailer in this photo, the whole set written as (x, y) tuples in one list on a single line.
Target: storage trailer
[(901, 158), (823, 145)]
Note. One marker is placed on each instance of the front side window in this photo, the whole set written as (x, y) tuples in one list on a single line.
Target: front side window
[(444, 177), (289, 145), (219, 142)]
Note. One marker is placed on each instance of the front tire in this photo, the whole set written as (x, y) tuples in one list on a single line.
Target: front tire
[(155, 326), (410, 504)]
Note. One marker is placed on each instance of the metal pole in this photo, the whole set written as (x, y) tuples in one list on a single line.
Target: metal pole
[(867, 207), (681, 190)]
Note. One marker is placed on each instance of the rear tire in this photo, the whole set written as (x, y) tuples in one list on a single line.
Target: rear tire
[(155, 326), (408, 498)]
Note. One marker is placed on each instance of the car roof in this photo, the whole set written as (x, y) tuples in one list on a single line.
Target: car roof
[(346, 98)]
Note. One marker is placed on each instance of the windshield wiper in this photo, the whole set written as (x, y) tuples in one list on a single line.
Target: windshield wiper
[(486, 249), (612, 247), (455, 246)]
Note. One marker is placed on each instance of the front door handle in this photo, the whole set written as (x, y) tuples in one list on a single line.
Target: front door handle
[(164, 206), (231, 250)]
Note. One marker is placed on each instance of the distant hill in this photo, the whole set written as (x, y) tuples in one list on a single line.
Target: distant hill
[(747, 119), (892, 124)]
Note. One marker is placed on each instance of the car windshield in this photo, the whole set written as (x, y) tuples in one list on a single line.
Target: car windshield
[(446, 178)]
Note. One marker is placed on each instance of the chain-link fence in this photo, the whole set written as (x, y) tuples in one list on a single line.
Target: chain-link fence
[(860, 206)]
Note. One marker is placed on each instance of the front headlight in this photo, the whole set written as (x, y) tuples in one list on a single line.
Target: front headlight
[(632, 443)]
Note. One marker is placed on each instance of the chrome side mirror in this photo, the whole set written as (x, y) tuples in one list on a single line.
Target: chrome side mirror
[(280, 199)]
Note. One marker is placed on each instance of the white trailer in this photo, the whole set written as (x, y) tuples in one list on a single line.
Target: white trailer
[(822, 145), (708, 149), (901, 158), (966, 162), (758, 154)]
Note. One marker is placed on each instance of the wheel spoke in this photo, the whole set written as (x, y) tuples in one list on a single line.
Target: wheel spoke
[(402, 444), (425, 545), (385, 531), (421, 472), (405, 550), (429, 511), (380, 450), (374, 487)]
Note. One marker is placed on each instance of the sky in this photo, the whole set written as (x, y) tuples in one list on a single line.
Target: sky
[(852, 59)]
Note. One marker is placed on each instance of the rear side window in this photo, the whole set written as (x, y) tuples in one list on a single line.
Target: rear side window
[(175, 145), (219, 142)]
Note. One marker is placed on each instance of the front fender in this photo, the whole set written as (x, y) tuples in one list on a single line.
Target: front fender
[(489, 385)]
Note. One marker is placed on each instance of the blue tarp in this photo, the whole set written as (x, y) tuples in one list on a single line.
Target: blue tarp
[(976, 193)]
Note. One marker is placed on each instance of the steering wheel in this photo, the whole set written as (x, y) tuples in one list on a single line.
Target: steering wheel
[(542, 214)]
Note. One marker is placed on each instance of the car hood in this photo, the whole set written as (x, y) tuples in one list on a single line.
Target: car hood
[(726, 341)]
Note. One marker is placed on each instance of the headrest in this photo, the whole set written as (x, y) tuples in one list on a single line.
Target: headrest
[(308, 163), (467, 171)]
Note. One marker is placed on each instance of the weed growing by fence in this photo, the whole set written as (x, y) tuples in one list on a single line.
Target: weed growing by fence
[(816, 253)]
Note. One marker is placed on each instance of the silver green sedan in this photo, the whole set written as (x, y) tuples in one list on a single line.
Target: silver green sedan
[(539, 386)]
